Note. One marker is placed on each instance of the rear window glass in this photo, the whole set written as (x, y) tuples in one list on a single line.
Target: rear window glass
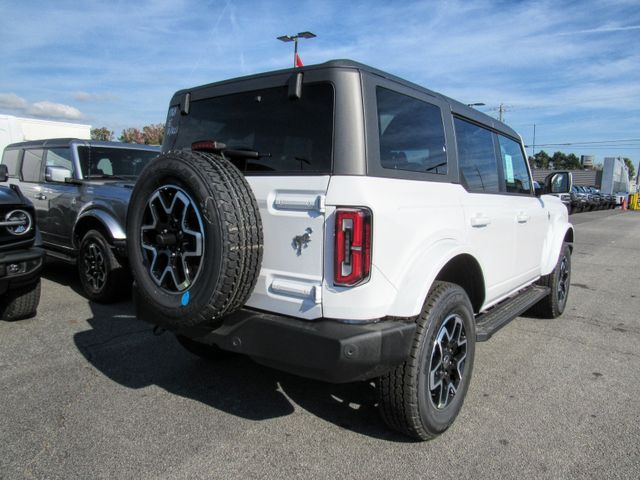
[(411, 133), (476, 157), (291, 136), (113, 163), (10, 159)]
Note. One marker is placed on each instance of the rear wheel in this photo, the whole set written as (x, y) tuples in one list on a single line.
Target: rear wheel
[(194, 239), (422, 397), (21, 302)]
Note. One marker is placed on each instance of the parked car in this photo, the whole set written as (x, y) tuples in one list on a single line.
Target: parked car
[(21, 255), (340, 223), (80, 190), (579, 199)]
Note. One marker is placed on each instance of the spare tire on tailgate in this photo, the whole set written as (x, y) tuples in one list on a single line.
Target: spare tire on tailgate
[(194, 239)]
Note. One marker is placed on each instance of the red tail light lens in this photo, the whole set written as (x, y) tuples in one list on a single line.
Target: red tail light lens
[(353, 247)]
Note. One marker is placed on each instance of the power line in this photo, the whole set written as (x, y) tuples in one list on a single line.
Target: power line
[(613, 142)]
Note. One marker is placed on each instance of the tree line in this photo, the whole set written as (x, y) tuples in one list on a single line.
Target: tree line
[(149, 135), (563, 161)]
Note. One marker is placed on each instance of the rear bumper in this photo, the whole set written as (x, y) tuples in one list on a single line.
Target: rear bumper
[(20, 267), (322, 349)]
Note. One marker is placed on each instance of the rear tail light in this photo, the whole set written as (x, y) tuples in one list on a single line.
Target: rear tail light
[(353, 247)]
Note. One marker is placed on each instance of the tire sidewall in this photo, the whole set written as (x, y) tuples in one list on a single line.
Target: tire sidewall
[(173, 170), (93, 236), (455, 302), (560, 306)]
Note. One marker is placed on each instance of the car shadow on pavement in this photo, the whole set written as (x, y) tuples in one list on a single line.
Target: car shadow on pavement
[(127, 351)]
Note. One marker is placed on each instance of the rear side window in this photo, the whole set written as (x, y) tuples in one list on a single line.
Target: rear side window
[(290, 135), (113, 163), (10, 159), (514, 166), (476, 157), (411, 133), (32, 165)]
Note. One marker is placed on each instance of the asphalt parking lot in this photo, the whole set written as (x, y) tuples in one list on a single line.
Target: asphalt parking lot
[(87, 391)]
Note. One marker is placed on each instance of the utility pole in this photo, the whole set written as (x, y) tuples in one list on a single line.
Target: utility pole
[(501, 110), (533, 148)]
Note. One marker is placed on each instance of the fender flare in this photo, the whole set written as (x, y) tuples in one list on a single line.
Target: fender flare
[(549, 261), (106, 219), (415, 286)]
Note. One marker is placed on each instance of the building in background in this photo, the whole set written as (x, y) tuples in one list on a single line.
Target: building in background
[(17, 129), (587, 161), (615, 176)]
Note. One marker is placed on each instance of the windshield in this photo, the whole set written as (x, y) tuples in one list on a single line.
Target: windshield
[(113, 163), (289, 135)]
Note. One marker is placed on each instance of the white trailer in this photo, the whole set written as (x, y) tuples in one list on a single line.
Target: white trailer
[(17, 129)]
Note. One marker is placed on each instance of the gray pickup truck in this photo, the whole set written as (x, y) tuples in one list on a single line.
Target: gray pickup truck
[(80, 190)]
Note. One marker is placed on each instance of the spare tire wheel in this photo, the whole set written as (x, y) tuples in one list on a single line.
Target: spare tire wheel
[(194, 239)]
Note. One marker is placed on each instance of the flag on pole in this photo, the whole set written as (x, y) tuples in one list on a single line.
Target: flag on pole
[(298, 61)]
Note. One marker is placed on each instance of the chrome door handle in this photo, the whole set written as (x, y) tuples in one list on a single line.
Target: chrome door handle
[(480, 221), (40, 196), (522, 218)]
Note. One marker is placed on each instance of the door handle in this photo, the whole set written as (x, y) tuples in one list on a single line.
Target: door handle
[(522, 217), (480, 221), (40, 196)]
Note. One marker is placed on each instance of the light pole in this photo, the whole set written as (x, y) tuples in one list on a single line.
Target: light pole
[(294, 38), (479, 104)]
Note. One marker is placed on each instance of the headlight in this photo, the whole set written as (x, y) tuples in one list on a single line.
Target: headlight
[(17, 222)]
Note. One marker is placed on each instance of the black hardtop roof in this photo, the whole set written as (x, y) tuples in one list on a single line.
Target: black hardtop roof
[(456, 106), (64, 142)]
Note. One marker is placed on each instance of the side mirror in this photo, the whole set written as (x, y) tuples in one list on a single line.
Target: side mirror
[(57, 174), (558, 182), (4, 173)]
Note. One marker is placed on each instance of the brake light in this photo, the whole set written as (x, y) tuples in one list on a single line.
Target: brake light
[(352, 247), (207, 146)]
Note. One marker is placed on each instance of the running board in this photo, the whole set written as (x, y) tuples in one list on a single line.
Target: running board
[(490, 322), (61, 256)]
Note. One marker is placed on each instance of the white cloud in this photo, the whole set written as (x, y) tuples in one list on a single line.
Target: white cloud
[(12, 101), (81, 96), (54, 110)]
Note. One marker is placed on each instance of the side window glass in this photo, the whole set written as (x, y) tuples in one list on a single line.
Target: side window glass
[(514, 166), (32, 165), (411, 134), (10, 159), (476, 157), (59, 157)]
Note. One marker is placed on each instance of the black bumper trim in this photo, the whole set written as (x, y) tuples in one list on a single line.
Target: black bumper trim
[(8, 282), (321, 349)]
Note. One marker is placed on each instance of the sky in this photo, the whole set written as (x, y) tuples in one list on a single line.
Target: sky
[(572, 68)]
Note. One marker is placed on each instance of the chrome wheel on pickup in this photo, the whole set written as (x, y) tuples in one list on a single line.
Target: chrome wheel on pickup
[(172, 236)]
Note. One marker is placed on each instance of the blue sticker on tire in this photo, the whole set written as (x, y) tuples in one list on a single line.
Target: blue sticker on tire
[(185, 299)]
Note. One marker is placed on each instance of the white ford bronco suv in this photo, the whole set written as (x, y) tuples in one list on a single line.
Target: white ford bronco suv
[(340, 223)]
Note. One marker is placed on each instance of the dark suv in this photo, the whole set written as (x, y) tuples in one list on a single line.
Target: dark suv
[(80, 190), (20, 254)]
